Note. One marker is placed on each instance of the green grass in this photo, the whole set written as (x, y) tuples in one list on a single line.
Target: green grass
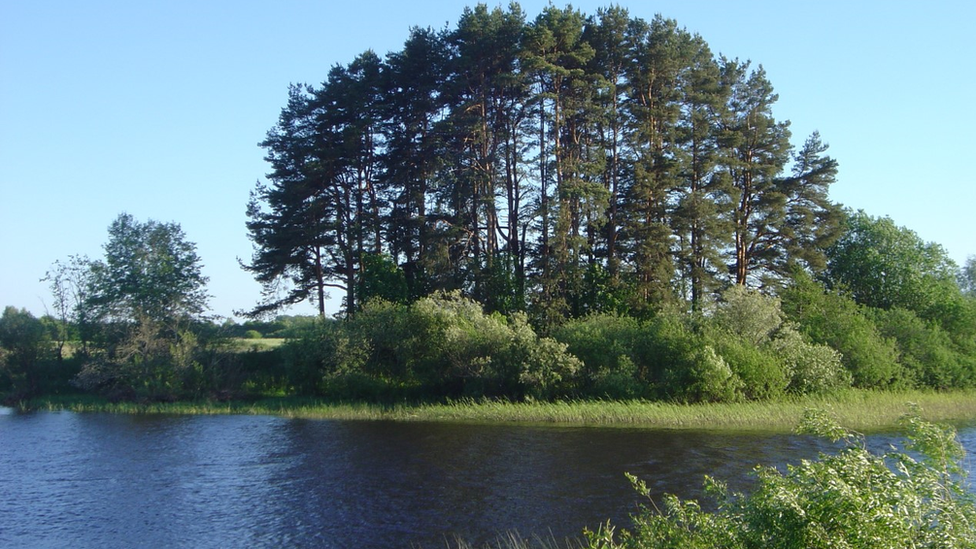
[(860, 410), (242, 344)]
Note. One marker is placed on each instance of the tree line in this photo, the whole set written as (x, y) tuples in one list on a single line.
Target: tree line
[(564, 165), (574, 206)]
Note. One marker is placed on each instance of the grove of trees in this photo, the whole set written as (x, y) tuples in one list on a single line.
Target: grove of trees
[(568, 206), (564, 165)]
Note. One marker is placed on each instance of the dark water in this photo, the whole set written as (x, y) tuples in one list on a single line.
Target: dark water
[(102, 481)]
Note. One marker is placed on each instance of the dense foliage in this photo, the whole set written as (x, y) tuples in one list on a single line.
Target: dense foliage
[(570, 206), (565, 165), (855, 499)]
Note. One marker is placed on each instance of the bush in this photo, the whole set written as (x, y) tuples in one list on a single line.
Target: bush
[(439, 346), (854, 499), (760, 373), (809, 367), (926, 350), (748, 314), (26, 354), (831, 319), (609, 348)]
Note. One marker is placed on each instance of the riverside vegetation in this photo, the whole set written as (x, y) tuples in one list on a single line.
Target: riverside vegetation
[(521, 214)]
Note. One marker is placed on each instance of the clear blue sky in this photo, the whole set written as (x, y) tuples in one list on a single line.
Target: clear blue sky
[(156, 107)]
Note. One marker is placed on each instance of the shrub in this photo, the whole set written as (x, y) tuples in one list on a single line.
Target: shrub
[(443, 345), (760, 373), (26, 353), (854, 499), (831, 319), (748, 314), (926, 350), (608, 347), (809, 367)]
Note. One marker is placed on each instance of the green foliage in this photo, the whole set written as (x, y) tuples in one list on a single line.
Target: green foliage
[(150, 272), (147, 363), (26, 353), (854, 499), (967, 277), (926, 350), (609, 347), (762, 376), (885, 266), (253, 334), (441, 345), (748, 315), (829, 318), (712, 380), (809, 367), (381, 278), (139, 305)]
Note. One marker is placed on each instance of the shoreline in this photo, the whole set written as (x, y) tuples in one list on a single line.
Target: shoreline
[(860, 410)]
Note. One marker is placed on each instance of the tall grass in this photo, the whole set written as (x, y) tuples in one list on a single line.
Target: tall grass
[(862, 410)]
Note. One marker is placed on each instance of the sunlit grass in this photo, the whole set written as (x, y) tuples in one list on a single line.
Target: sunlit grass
[(861, 410), (242, 344)]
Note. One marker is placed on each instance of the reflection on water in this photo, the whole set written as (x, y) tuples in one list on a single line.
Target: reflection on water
[(95, 480)]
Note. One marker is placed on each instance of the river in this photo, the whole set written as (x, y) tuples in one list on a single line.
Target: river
[(105, 481)]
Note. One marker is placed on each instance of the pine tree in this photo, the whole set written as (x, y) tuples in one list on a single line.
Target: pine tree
[(756, 149), (700, 218)]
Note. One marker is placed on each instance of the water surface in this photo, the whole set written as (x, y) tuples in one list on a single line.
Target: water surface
[(103, 481)]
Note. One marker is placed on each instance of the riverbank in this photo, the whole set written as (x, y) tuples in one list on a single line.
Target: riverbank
[(862, 410)]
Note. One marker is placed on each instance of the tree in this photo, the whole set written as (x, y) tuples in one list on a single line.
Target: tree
[(322, 211), (540, 156), (24, 349), (151, 272), (70, 282), (558, 55), (756, 148), (885, 266), (414, 106), (967, 277), (701, 215), (143, 298), (812, 222), (285, 218)]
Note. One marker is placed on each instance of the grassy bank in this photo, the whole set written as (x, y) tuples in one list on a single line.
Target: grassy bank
[(856, 409)]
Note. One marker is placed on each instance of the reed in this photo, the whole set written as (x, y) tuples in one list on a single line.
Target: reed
[(862, 410)]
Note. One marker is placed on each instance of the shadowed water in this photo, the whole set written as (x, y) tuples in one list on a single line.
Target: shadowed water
[(103, 481)]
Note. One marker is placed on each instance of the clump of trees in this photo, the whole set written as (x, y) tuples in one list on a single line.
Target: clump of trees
[(135, 314), (27, 356), (563, 165), (569, 206)]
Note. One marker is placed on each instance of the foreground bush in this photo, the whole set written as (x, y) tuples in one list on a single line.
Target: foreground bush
[(855, 499)]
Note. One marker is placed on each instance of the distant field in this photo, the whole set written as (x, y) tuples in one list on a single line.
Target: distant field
[(264, 344)]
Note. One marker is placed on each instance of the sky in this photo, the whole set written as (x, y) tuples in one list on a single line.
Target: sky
[(155, 108)]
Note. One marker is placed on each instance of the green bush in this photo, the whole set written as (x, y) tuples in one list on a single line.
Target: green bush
[(609, 348), (926, 350), (748, 315), (809, 367), (27, 360), (760, 373), (443, 345), (831, 319), (853, 499)]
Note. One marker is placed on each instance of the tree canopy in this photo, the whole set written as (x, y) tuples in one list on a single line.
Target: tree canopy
[(565, 164), (150, 272)]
